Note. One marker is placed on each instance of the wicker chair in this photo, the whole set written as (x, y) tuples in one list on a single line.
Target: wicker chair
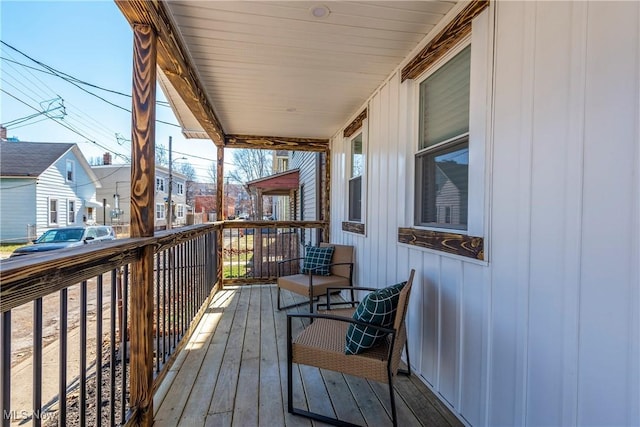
[(312, 285), (322, 344)]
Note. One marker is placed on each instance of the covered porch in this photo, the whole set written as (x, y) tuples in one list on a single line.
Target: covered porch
[(527, 316)]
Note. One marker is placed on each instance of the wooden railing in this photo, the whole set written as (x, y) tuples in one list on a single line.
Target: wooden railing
[(252, 249), (67, 315), (84, 295)]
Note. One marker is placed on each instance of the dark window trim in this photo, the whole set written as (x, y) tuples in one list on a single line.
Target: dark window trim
[(453, 243)]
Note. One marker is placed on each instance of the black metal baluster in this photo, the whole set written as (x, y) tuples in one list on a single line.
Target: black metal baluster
[(172, 283), (83, 353), (112, 349), (37, 362), (165, 308), (62, 360), (5, 367), (183, 301), (124, 334), (156, 277), (99, 341)]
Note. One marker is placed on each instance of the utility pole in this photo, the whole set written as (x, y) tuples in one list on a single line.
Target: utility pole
[(170, 214)]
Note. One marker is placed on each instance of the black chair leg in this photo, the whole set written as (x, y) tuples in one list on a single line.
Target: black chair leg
[(394, 415), (406, 349)]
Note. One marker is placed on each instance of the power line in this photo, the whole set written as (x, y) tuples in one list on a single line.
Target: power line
[(67, 126), (75, 79), (32, 84), (71, 80)]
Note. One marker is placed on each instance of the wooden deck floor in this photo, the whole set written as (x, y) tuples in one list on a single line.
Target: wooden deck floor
[(233, 373)]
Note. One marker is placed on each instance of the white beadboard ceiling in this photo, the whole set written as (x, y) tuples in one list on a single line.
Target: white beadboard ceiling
[(271, 68)]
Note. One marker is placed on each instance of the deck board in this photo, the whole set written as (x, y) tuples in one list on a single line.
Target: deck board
[(233, 373)]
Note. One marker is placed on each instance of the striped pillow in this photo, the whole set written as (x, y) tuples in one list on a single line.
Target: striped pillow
[(377, 308), (317, 260)]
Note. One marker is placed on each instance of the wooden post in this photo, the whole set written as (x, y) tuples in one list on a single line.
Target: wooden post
[(292, 205), (219, 215), (259, 207), (219, 184), (142, 220), (326, 206)]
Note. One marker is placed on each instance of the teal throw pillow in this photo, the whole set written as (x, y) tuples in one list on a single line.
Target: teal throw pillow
[(377, 308), (317, 260)]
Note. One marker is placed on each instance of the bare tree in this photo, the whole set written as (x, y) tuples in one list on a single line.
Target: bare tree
[(251, 164), (161, 156), (187, 170), (212, 172)]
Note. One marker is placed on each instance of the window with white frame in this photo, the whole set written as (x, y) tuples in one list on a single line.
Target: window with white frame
[(70, 172), (179, 188), (71, 211), (442, 159), (53, 211), (159, 184), (356, 144), (180, 211), (160, 211)]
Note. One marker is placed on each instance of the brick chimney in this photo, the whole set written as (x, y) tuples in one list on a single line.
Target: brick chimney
[(106, 159), (3, 133)]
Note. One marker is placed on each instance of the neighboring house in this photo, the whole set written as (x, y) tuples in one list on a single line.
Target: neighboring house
[(308, 203), (281, 204), (43, 186), (116, 191), (202, 197)]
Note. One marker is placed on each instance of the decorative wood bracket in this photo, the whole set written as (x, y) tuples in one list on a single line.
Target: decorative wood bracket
[(355, 124), (455, 31), (458, 244), (353, 227)]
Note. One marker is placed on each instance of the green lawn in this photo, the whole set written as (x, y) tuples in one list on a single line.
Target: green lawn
[(6, 249)]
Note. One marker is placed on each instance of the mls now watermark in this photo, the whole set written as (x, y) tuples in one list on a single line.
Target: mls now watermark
[(26, 415)]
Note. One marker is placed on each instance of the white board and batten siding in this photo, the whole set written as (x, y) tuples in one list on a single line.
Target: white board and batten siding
[(546, 331)]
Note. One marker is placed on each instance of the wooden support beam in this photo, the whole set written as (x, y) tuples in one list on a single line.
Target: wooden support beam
[(219, 215), (276, 143), (292, 205), (326, 235), (173, 60), (260, 213), (450, 35), (220, 184), (142, 220)]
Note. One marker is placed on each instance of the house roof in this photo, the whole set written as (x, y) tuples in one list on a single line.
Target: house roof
[(29, 159), (242, 73), (278, 184), (456, 173)]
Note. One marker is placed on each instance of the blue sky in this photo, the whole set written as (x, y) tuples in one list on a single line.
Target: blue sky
[(91, 41)]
